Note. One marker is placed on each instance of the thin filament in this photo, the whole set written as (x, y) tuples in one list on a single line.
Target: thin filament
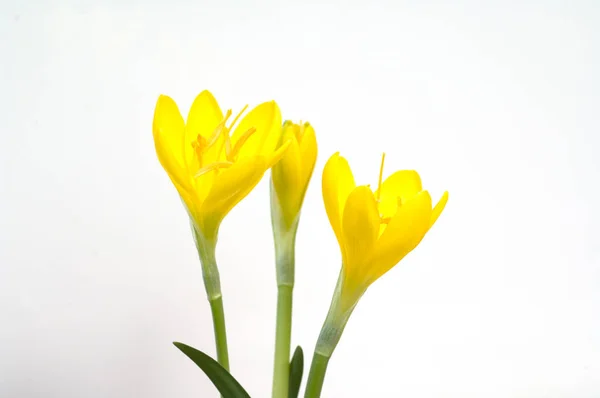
[(380, 177)]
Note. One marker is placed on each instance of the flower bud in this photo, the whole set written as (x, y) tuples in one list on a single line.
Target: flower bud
[(290, 176)]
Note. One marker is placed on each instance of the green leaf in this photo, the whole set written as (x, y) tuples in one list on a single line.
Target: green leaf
[(227, 385), (296, 369)]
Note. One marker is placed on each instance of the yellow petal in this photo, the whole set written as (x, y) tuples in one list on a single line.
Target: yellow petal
[(230, 186), (437, 210), (286, 176), (404, 232), (308, 153), (360, 226), (273, 137), (266, 118), (337, 184), (403, 185), (290, 164), (204, 115), (168, 132), (203, 118), (291, 175)]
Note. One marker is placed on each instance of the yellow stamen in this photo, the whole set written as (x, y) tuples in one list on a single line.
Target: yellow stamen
[(199, 144), (212, 167), (240, 142), (219, 129), (380, 177), (276, 157), (226, 131), (216, 134), (202, 144), (237, 117), (227, 116)]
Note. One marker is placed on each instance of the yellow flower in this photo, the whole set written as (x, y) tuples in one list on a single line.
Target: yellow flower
[(290, 176), (212, 168), (375, 230)]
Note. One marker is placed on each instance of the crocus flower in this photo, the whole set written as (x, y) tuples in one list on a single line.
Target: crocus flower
[(290, 176), (289, 181), (212, 167), (375, 230)]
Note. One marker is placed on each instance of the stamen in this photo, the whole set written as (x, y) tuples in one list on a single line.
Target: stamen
[(199, 144), (278, 154), (380, 177), (228, 149), (226, 131), (237, 117), (204, 144), (227, 116), (212, 167), (217, 133), (240, 142), (219, 129)]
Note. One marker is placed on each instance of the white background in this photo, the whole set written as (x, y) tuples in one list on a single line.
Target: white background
[(497, 102)]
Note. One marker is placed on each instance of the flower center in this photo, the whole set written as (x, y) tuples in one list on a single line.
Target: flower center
[(202, 145)]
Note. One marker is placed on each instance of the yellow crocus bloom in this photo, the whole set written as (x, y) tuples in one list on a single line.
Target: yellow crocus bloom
[(290, 176), (289, 181), (375, 230), (212, 164)]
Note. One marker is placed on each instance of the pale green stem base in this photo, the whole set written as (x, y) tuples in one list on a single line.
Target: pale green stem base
[(316, 376), (284, 236), (216, 307), (212, 284), (283, 336), (339, 312)]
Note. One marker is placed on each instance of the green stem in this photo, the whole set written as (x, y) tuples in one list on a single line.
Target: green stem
[(212, 284), (316, 376), (218, 315), (283, 336), (339, 312), (284, 236)]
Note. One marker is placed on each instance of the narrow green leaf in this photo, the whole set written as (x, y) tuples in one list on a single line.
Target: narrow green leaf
[(296, 369), (227, 385)]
